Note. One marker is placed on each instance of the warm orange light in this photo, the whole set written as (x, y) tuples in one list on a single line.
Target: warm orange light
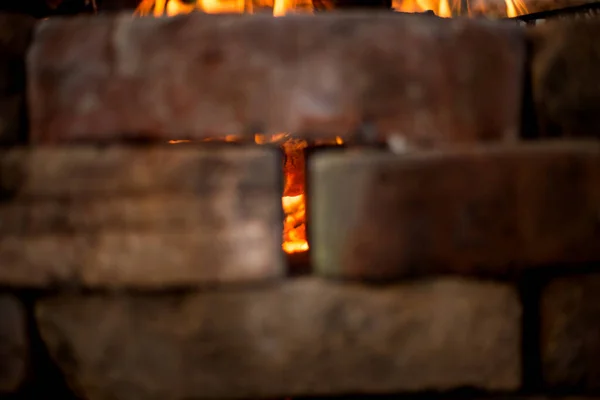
[(280, 7), (451, 8), (173, 7), (515, 8), (293, 201), (442, 8), (178, 141)]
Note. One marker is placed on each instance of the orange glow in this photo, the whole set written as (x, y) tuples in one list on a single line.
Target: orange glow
[(442, 8), (178, 141), (454, 8), (515, 8), (159, 8), (293, 200), (227, 138)]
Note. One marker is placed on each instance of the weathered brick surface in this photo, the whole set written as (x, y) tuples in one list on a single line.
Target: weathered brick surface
[(15, 36), (566, 89), (89, 172), (14, 344), (570, 333), (145, 217), (305, 336), (429, 79), (159, 212), (489, 211)]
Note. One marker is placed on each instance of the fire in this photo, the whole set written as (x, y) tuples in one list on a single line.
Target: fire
[(159, 8), (456, 8), (442, 8), (293, 200)]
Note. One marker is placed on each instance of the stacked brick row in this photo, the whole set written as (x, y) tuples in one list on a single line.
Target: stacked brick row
[(149, 271)]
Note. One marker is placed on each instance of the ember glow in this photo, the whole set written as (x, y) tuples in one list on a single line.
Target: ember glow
[(442, 8), (293, 200), (456, 8)]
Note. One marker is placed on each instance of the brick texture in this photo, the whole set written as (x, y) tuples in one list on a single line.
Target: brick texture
[(566, 90), (570, 332), (489, 211), (432, 80), (15, 37), (140, 217), (305, 336), (14, 344)]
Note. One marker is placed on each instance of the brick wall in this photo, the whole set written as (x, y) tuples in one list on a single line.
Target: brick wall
[(462, 263)]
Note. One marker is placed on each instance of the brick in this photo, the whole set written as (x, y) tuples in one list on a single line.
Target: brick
[(564, 68), (490, 211), (95, 172), (240, 251), (13, 124), (141, 218), (315, 337), (152, 213), (570, 333), (432, 80), (14, 344), (15, 37)]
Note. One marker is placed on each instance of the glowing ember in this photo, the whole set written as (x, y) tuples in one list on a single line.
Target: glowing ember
[(293, 202), (442, 8)]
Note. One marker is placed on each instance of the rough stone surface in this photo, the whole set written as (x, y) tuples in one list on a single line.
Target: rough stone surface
[(13, 123), (84, 172), (14, 344), (151, 213), (146, 217), (15, 37), (431, 80), (490, 211), (570, 332), (305, 336), (565, 62)]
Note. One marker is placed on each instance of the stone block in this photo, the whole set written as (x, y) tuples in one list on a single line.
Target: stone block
[(89, 172), (14, 344), (431, 80), (570, 333), (15, 37), (565, 61), (139, 217), (302, 337), (489, 211)]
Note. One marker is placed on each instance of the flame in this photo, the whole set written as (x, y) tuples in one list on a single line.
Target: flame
[(455, 8), (159, 8), (514, 8), (293, 200), (442, 8)]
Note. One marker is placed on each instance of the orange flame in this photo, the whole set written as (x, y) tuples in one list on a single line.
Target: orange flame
[(159, 8), (293, 200), (455, 8), (442, 8)]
